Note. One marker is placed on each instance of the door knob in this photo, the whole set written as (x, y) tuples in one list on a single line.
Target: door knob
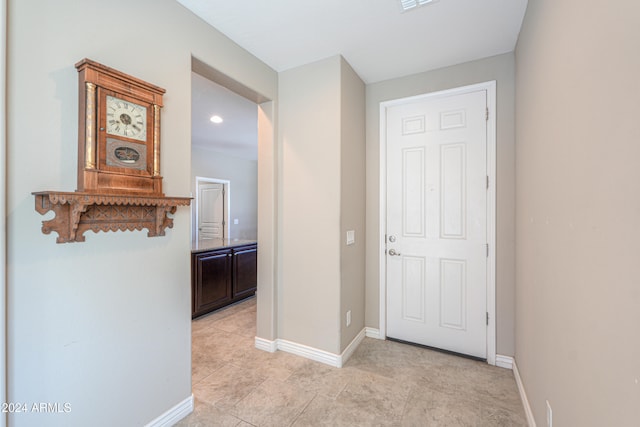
[(393, 252), (392, 239)]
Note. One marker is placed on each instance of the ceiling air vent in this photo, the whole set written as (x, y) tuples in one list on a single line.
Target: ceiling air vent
[(410, 4)]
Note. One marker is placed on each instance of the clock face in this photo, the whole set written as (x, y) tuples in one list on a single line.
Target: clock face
[(126, 119)]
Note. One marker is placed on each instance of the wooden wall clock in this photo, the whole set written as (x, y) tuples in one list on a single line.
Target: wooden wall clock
[(119, 132), (119, 182)]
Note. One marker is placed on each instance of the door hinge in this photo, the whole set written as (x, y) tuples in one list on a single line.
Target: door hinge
[(487, 318), (486, 116), (487, 182), (487, 245)]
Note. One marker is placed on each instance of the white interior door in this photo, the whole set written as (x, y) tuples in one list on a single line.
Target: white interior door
[(437, 222), (211, 208)]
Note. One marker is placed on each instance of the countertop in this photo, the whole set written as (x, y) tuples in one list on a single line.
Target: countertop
[(212, 244)]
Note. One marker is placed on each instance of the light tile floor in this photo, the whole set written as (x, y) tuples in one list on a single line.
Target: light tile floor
[(383, 384)]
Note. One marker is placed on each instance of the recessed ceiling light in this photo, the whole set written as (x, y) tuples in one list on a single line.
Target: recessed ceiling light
[(410, 4), (216, 119)]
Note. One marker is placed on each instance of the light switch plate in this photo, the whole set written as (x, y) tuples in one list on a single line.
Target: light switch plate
[(351, 237)]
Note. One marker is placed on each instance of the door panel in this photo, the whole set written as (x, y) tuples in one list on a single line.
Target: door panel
[(413, 288), (211, 211), (436, 217), (452, 190), (453, 283), (413, 191)]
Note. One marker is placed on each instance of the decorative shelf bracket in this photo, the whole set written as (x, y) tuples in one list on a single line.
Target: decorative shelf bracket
[(77, 212)]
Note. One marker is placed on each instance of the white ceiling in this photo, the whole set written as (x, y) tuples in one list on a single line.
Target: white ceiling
[(237, 136), (374, 36)]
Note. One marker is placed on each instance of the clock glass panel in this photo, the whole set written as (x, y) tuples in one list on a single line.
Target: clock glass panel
[(129, 155), (126, 119)]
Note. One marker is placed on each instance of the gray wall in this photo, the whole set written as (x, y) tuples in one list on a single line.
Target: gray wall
[(3, 205), (501, 69), (578, 210), (105, 324), (242, 175)]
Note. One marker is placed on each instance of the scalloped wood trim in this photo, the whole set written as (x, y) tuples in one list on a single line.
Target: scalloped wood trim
[(78, 212)]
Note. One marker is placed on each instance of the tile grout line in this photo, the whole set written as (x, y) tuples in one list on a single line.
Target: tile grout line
[(406, 402), (235, 405), (315, 395)]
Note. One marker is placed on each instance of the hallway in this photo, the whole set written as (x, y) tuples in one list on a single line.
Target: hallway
[(383, 383)]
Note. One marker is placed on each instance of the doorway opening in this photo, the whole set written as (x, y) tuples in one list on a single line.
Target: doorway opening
[(224, 154), (263, 181), (436, 217)]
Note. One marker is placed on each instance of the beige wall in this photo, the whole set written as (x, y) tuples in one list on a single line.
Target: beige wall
[(321, 130), (578, 210), (242, 175), (105, 324), (309, 131), (352, 202), (501, 69), (269, 255)]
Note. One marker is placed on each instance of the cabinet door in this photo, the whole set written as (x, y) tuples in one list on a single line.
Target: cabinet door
[(245, 271), (212, 281)]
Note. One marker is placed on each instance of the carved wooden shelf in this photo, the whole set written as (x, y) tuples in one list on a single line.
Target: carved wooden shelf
[(77, 212)]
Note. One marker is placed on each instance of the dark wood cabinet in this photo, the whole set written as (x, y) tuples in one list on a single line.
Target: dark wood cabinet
[(245, 266), (222, 276), (211, 273)]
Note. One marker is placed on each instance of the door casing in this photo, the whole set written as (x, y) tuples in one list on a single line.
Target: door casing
[(490, 87)]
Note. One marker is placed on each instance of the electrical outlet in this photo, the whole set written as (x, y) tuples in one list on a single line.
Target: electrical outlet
[(549, 415), (349, 318)]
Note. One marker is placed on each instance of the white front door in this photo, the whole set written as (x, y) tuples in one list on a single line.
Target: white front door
[(211, 201), (437, 222)]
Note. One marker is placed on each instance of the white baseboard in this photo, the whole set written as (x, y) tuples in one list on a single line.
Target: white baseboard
[(312, 353), (504, 361), (173, 415), (523, 396), (328, 358), (266, 345), (353, 345), (373, 333)]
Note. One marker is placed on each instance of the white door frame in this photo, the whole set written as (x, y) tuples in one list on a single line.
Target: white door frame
[(227, 202), (490, 87)]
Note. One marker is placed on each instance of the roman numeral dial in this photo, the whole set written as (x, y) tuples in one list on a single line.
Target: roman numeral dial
[(126, 119)]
